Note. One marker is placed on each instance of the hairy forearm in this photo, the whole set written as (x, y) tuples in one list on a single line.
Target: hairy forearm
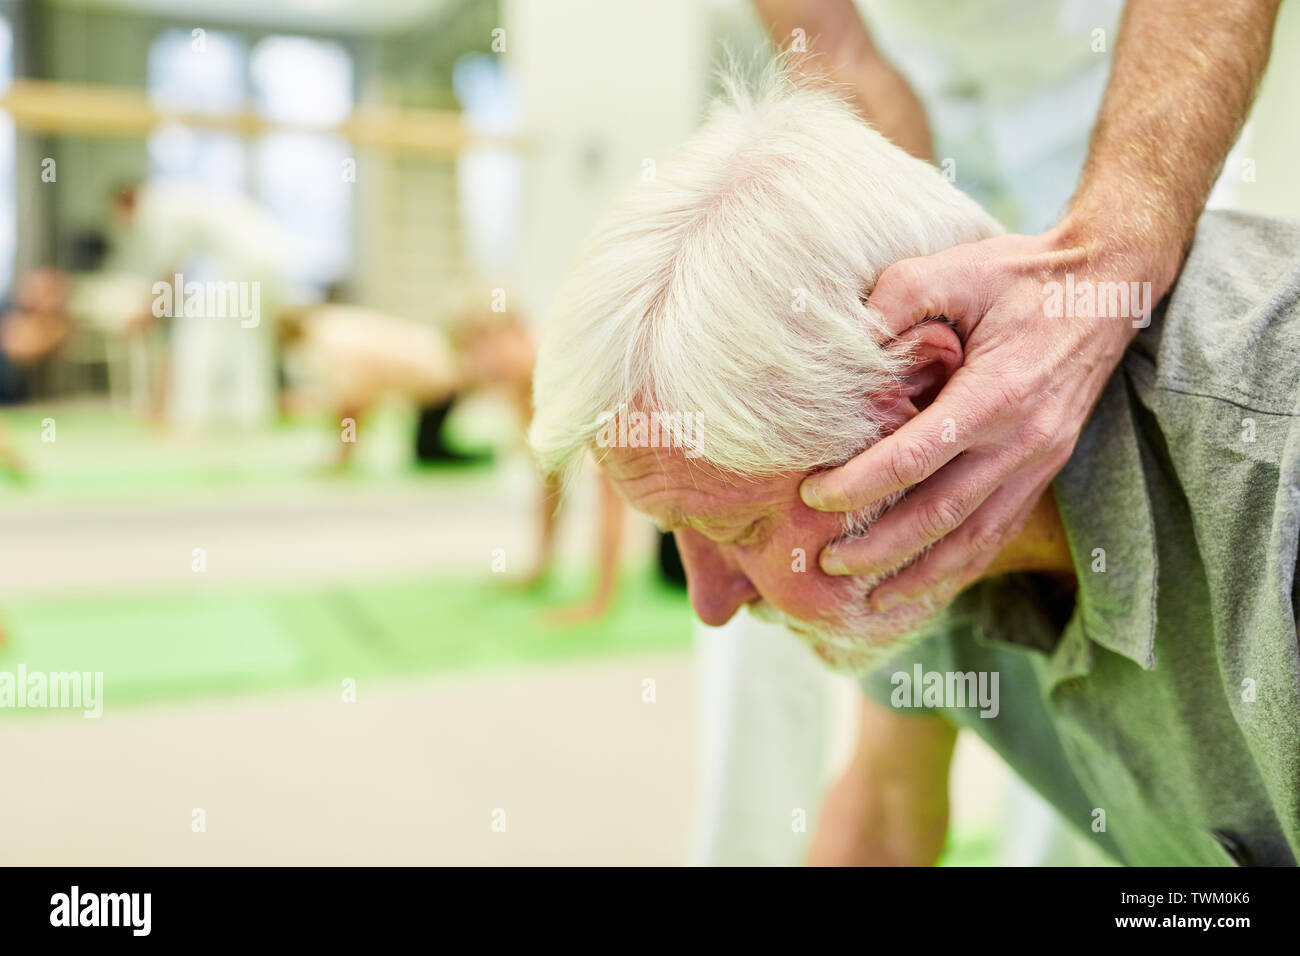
[(840, 47), (887, 100), (1183, 78)]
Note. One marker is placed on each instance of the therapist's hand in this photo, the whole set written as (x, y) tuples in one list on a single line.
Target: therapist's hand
[(978, 458), (1015, 409)]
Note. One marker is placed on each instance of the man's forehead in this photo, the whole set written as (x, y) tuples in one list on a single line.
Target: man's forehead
[(672, 464), (627, 464), (666, 480)]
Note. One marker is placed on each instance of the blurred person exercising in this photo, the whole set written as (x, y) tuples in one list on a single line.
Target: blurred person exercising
[(32, 330), (196, 237), (349, 359)]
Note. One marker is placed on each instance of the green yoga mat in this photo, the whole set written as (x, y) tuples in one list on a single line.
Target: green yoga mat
[(99, 454), (169, 644)]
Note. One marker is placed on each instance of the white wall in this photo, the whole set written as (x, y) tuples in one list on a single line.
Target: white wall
[(603, 86), (1274, 133)]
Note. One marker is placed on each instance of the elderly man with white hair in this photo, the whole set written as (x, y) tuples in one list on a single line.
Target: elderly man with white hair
[(1138, 628)]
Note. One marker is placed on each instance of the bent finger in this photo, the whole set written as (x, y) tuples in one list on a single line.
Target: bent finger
[(927, 287), (935, 509), (962, 557), (955, 421)]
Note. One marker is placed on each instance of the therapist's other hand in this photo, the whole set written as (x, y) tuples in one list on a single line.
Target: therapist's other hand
[(980, 455)]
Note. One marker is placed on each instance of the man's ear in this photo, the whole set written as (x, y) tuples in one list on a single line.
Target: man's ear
[(935, 353)]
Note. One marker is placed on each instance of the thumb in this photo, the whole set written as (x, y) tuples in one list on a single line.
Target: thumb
[(928, 287)]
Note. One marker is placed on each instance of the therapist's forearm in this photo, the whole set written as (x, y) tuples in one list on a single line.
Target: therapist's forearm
[(887, 100), (1183, 78), (841, 46)]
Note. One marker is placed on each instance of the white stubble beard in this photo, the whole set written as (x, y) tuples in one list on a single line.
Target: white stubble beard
[(856, 639)]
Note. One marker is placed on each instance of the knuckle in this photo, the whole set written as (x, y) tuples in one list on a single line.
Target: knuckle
[(909, 466), (1041, 433), (906, 280), (938, 517), (902, 276), (1050, 433), (986, 537)]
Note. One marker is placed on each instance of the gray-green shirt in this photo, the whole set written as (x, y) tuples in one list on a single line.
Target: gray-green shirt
[(1159, 709)]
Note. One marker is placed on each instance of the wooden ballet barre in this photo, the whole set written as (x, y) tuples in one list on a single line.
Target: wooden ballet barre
[(61, 109)]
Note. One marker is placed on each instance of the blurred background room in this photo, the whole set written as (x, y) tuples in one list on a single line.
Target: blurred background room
[(271, 274)]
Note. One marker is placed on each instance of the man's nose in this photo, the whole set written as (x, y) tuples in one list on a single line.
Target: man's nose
[(717, 588)]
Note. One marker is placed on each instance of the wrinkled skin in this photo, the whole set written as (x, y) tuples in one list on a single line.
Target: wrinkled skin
[(755, 543)]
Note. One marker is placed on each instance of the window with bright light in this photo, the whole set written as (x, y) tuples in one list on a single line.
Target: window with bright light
[(302, 82), (296, 174), (201, 73)]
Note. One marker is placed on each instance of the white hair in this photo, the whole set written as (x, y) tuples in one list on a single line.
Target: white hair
[(730, 286)]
